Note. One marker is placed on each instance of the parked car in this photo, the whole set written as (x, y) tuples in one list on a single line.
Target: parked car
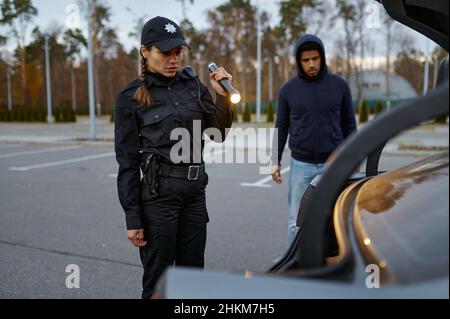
[(370, 235)]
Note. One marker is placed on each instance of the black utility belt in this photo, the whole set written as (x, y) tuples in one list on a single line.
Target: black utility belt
[(191, 173)]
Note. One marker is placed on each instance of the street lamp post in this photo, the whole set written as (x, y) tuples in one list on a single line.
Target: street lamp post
[(9, 71), (270, 79), (258, 71), (435, 58), (91, 74), (75, 65), (8, 79), (48, 82), (426, 68)]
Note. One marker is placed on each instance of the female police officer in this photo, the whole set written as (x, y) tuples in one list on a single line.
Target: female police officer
[(165, 211)]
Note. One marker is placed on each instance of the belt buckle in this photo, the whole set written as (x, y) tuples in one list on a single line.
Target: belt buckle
[(193, 173)]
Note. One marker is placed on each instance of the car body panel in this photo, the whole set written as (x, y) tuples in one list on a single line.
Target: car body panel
[(402, 220), (185, 283)]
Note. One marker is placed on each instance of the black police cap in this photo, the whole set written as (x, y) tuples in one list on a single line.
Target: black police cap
[(163, 33)]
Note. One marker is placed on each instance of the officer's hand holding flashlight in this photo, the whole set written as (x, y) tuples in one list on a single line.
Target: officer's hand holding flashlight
[(218, 75), (136, 237)]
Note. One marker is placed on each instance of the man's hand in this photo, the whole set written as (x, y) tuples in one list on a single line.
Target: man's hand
[(215, 77), (276, 174), (136, 237)]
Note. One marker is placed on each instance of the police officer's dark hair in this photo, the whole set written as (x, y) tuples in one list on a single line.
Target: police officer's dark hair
[(142, 94)]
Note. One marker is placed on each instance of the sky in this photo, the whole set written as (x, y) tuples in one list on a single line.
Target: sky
[(61, 13), (123, 21)]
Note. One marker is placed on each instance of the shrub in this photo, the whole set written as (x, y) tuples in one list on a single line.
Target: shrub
[(246, 117), (111, 118), (29, 114), (64, 114), (71, 116), (57, 114), (364, 112), (5, 115), (21, 115), (270, 112), (42, 117), (378, 108), (235, 113)]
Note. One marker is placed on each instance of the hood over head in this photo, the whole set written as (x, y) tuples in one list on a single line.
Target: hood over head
[(306, 39)]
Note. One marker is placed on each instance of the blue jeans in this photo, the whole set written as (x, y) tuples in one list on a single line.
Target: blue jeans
[(301, 175)]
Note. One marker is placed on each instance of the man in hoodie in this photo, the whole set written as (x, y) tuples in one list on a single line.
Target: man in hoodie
[(315, 109)]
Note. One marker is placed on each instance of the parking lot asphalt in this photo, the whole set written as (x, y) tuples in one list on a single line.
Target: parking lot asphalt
[(60, 208)]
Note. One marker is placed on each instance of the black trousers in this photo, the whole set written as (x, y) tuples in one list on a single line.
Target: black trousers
[(175, 228)]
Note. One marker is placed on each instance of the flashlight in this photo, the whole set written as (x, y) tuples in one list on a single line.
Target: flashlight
[(235, 96)]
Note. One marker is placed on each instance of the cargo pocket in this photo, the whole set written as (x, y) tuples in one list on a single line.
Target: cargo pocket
[(157, 123)]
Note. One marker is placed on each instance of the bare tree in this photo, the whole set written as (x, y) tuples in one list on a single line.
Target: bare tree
[(318, 17), (139, 23), (74, 41), (359, 23), (183, 7), (100, 15), (338, 63), (294, 22), (17, 15), (234, 24), (347, 12), (408, 63)]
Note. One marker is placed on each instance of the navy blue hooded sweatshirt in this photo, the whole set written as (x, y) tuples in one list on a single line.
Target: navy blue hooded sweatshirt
[(317, 113)]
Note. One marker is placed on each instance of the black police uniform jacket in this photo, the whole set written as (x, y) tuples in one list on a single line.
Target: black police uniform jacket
[(140, 130)]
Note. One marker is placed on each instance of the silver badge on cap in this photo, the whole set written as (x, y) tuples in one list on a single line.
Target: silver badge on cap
[(170, 28)]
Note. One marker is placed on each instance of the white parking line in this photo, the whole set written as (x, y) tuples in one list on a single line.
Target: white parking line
[(73, 160), (44, 150), (262, 182)]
